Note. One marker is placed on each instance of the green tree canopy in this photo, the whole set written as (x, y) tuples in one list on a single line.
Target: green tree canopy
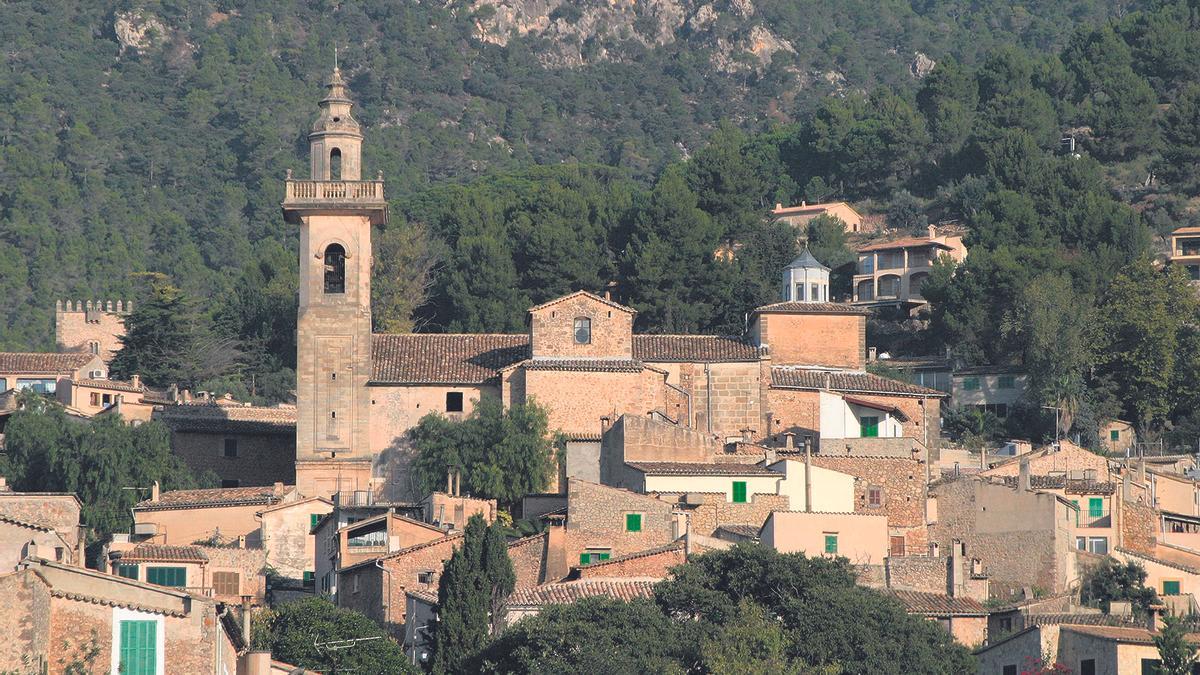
[(301, 633)]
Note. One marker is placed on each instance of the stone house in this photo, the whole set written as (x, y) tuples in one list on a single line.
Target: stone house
[(286, 534), (1024, 538), (452, 511), (861, 538), (1117, 436), (130, 399), (243, 445), (895, 487), (225, 573), (799, 216), (54, 613), (47, 373), (380, 535), (531, 601), (892, 272), (183, 517), (39, 524), (90, 327), (964, 618), (378, 587)]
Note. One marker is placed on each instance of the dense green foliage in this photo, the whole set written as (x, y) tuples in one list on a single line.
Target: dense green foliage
[(313, 633), (472, 590), (1176, 655), (499, 454), (107, 464), (1112, 581), (748, 609)]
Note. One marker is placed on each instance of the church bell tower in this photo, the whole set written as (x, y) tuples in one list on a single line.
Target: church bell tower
[(335, 210)]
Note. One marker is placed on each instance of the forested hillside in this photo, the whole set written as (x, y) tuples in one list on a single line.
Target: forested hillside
[(535, 147)]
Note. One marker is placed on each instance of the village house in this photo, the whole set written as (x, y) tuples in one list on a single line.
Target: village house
[(286, 534), (860, 538), (228, 573), (39, 524), (799, 216), (358, 394), (47, 373), (130, 399), (892, 272), (1185, 251), (243, 445), (182, 517), (90, 327), (995, 389), (55, 614)]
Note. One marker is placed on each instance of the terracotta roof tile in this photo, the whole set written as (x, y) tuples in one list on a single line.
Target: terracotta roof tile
[(1123, 634), (741, 529), (213, 497), (693, 349), (115, 385), (785, 377), (425, 596), (938, 604), (585, 365), (566, 592), (448, 539), (437, 358), (781, 210), (164, 553), (591, 296), (701, 469), (1171, 557), (810, 308), (217, 418), (1097, 619), (37, 363)]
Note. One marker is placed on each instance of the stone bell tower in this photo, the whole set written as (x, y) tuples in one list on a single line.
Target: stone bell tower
[(335, 210)]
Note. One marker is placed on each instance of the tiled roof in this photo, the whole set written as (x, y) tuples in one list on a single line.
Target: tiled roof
[(810, 308), (164, 553), (214, 418), (590, 296), (938, 604), (875, 405), (115, 385), (1077, 619), (693, 349), (781, 210), (1163, 555), (585, 365), (239, 496), (436, 358), (701, 469), (37, 363), (1123, 634), (1074, 486), (784, 377), (25, 523), (450, 538), (741, 529), (989, 370), (907, 242), (428, 597), (571, 591)]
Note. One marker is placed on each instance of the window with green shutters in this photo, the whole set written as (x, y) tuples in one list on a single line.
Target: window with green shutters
[(870, 427), (589, 557), (128, 571), (1095, 507), (1114, 435), (167, 576), (739, 492), (831, 543), (1170, 588), (313, 520), (971, 383), (139, 648), (1006, 382), (308, 578), (633, 522)]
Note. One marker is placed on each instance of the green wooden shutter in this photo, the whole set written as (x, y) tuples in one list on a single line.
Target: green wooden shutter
[(139, 648), (870, 427), (313, 519), (308, 578), (739, 492), (1114, 435), (633, 522), (175, 577), (1095, 507), (128, 571), (831, 543), (1170, 588), (585, 558)]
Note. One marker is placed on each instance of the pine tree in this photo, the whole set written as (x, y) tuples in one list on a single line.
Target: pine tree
[(473, 587), (1177, 656)]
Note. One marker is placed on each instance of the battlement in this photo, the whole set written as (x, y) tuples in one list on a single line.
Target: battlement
[(94, 306)]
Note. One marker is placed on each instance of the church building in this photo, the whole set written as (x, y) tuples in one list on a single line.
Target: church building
[(800, 368)]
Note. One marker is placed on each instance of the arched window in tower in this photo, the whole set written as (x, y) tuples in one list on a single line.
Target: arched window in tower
[(335, 164), (335, 269)]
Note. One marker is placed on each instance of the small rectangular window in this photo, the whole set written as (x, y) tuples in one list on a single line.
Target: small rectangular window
[(227, 583), (1095, 507), (128, 571), (870, 427), (1010, 670), (897, 547), (95, 399), (1098, 545), (1087, 667), (971, 383), (593, 555), (425, 577), (175, 577), (138, 649), (583, 331), (1114, 435), (1170, 587), (454, 401), (874, 496), (1006, 382), (831, 542), (1081, 543), (231, 447), (313, 519), (633, 522), (739, 492), (309, 578)]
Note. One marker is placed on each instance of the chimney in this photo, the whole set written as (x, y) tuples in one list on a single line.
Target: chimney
[(807, 476), (4, 485), (747, 435), (1023, 482), (983, 465), (605, 424), (932, 231), (31, 550), (246, 618), (277, 489), (607, 295), (872, 354), (803, 203), (241, 541), (789, 440), (778, 206), (957, 554), (769, 456), (154, 492), (449, 481), (136, 381), (1154, 618), (457, 483)]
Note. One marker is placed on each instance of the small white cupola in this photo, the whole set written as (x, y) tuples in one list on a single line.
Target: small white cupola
[(806, 279)]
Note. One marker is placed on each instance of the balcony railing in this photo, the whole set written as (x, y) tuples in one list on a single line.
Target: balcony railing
[(334, 190), (1086, 518)]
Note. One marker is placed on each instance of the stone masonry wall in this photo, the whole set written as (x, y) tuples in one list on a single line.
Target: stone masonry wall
[(576, 400), (528, 556), (596, 519), (656, 565), (262, 459), (1138, 525), (553, 330), (25, 621), (59, 511), (716, 511), (14, 540), (902, 481), (837, 340), (73, 332), (247, 562), (735, 403)]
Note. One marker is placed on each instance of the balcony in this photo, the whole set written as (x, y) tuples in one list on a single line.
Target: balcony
[(1089, 519), (333, 197)]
